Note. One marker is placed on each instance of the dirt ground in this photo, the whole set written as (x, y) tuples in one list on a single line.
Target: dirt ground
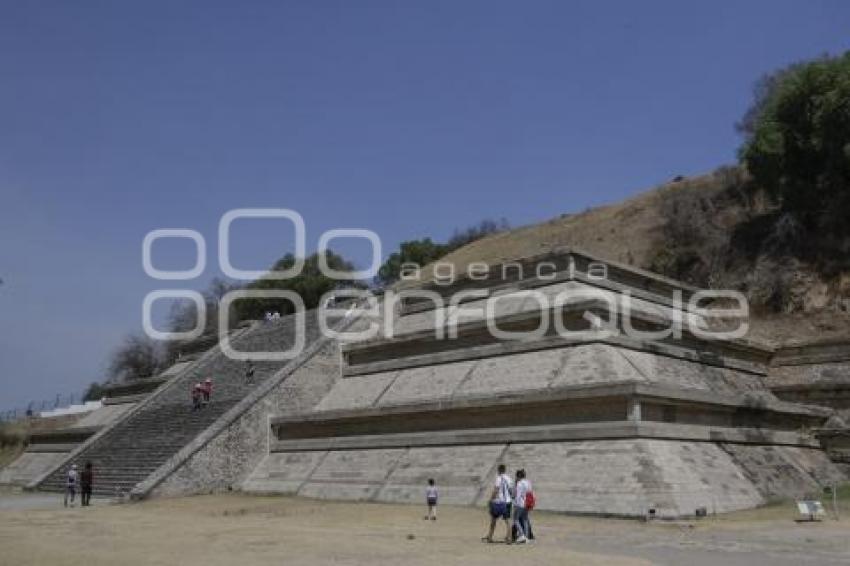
[(246, 530)]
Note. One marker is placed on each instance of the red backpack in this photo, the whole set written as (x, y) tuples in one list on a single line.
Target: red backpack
[(530, 500)]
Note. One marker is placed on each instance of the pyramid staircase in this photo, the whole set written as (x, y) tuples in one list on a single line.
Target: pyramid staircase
[(134, 447)]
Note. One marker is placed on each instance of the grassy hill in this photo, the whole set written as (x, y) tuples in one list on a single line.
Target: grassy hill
[(713, 231)]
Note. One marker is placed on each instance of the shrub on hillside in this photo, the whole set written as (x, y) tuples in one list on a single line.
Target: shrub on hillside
[(695, 244)]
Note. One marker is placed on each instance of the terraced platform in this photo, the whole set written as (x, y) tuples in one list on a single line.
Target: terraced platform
[(618, 423)]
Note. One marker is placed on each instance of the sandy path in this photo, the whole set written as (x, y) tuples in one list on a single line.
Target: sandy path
[(242, 530)]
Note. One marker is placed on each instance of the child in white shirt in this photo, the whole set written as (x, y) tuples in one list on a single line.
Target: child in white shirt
[(431, 498)]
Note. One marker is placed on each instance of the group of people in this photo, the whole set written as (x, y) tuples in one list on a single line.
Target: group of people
[(202, 391), (82, 480), (271, 315), (201, 394), (511, 500)]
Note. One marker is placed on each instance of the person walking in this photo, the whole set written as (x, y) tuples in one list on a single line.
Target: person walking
[(71, 485), (500, 504), (86, 482), (196, 396), (249, 371), (523, 499), (207, 390), (431, 496)]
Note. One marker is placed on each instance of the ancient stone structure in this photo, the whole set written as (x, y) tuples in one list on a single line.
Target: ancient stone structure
[(818, 374), (611, 423)]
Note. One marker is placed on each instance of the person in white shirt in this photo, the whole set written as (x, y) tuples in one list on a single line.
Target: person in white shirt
[(71, 485), (500, 504), (431, 496), (523, 487)]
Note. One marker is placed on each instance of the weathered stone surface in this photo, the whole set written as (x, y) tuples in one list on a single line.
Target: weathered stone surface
[(588, 477), (833, 373), (784, 471), (528, 371), (609, 477), (426, 383), (594, 364), (425, 320), (283, 472), (675, 372), (357, 392), (30, 465), (351, 475), (104, 415), (582, 364), (506, 302), (459, 473)]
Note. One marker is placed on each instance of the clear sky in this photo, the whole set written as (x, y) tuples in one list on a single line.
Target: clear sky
[(410, 119)]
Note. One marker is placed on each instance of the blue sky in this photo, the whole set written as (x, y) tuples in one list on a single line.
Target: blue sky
[(410, 119)]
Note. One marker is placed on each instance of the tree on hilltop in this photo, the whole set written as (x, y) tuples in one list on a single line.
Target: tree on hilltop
[(797, 141), (424, 251), (137, 358), (311, 284)]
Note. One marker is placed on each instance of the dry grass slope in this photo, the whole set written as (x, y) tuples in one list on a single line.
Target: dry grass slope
[(628, 232), (698, 230)]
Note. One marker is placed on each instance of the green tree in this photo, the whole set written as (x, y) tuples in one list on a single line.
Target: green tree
[(183, 316), (139, 357), (424, 251), (310, 285), (797, 140), (418, 252), (94, 392)]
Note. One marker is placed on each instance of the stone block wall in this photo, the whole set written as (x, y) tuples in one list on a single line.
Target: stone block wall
[(624, 477)]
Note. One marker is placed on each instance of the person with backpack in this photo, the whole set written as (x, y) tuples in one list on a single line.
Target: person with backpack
[(500, 504), (71, 485), (524, 502)]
